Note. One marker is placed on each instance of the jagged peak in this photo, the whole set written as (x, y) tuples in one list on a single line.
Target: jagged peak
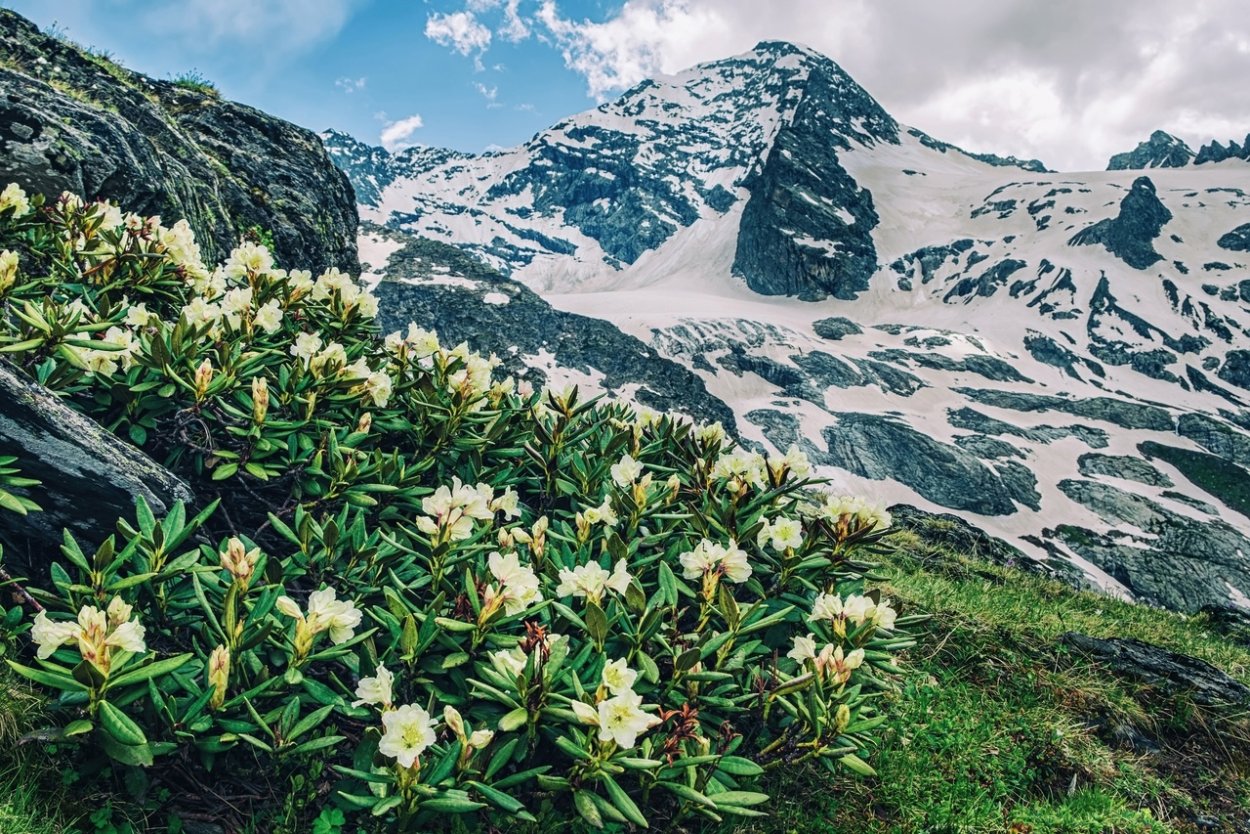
[(1161, 150)]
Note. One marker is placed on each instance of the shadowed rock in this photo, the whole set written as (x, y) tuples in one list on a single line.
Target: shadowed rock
[(89, 477), (1169, 671)]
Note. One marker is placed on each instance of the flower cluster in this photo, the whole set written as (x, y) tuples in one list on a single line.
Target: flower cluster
[(620, 714), (97, 634)]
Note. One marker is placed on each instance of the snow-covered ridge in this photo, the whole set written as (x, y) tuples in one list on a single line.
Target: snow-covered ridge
[(1064, 358)]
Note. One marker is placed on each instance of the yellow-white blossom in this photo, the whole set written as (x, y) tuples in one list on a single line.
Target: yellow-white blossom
[(14, 198), (325, 613), (711, 559), (306, 346), (248, 257), (407, 732), (741, 468), (710, 433), (8, 269), (377, 689), (455, 508), (269, 316), (618, 677), (622, 719), (781, 533), (625, 471), (517, 587), (592, 580)]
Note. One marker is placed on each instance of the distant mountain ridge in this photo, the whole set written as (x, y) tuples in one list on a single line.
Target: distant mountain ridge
[(1062, 358)]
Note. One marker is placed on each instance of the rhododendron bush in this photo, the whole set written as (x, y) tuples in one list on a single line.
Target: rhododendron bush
[(438, 592)]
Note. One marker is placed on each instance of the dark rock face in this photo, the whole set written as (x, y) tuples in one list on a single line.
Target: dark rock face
[(1237, 240), (524, 324), (1171, 672), (90, 477), (877, 447), (154, 147), (1122, 466), (835, 328), (1236, 368), (806, 227), (1161, 150), (1128, 415), (1215, 152), (1217, 437), (1175, 561), (1130, 234)]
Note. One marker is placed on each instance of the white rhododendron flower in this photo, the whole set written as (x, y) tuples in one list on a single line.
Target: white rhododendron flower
[(591, 580), (830, 660), (377, 388), (332, 354), (377, 689), (603, 514), (407, 732), (509, 503), (137, 315), (855, 609), (710, 433), (200, 312), (325, 613), (518, 584), (269, 316), (622, 719), (248, 257), (781, 534), (49, 635), (13, 197), (455, 508), (618, 677), (853, 511), (741, 468), (710, 558), (8, 269), (306, 346), (793, 461), (626, 471), (509, 662)]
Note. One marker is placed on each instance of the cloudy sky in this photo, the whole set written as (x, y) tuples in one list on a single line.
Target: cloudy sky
[(1066, 81)]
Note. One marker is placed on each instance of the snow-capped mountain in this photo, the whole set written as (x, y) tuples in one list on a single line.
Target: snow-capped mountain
[(1061, 358)]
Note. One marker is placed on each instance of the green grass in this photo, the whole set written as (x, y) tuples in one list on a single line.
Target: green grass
[(997, 728), (29, 802)]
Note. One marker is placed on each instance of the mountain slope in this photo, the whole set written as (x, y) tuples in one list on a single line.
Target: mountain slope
[(1061, 357)]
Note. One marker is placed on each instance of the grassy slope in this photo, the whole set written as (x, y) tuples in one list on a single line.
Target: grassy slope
[(997, 726)]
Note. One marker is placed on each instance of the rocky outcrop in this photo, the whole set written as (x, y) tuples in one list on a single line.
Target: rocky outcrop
[(807, 226), (89, 477), (441, 287), (1217, 437), (1236, 240), (1161, 150), (1034, 165), (1172, 673), (70, 120), (1161, 556), (1215, 152), (1130, 234)]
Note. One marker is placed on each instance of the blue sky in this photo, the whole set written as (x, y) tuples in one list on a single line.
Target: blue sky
[(1067, 81)]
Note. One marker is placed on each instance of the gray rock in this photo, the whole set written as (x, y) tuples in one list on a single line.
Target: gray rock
[(874, 446), (802, 193), (1176, 561), (973, 420), (1128, 415), (527, 324), (1237, 240), (1236, 368), (90, 478), (835, 327), (1216, 436), (1122, 466), (1130, 234), (155, 147), (1161, 150), (1171, 672)]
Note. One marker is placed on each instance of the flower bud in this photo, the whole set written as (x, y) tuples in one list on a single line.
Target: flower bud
[(455, 722), (218, 675), (8, 270), (203, 378), (842, 718), (260, 399), (240, 561), (118, 612), (365, 423), (481, 738)]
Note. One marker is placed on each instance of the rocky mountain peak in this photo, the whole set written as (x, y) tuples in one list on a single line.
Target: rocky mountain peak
[(1161, 150), (1216, 152)]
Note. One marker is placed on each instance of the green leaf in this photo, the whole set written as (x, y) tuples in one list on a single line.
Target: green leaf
[(857, 765), (119, 726), (55, 680), (148, 672), (737, 799), (622, 802), (738, 766), (585, 806)]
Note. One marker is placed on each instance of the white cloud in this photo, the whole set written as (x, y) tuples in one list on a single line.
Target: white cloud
[(488, 93), (398, 135), (1069, 83), (459, 30), (351, 85), (277, 25)]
